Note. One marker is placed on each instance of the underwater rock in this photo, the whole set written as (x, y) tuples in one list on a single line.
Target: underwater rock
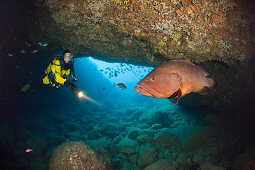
[(133, 134), (73, 135), (198, 157), (162, 137), (133, 159), (147, 154), (144, 139), (121, 156), (169, 154), (49, 152), (37, 144), (143, 126), (200, 31), (127, 146), (75, 155), (94, 134), (209, 166), (149, 132), (127, 165), (194, 137), (161, 164), (72, 126), (103, 143), (35, 165), (117, 139), (157, 117), (245, 160), (117, 164), (111, 130), (184, 159), (156, 126)]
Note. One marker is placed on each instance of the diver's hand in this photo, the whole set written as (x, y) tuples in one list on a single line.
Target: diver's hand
[(67, 83)]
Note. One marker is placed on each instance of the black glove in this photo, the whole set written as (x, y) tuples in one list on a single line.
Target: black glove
[(67, 83)]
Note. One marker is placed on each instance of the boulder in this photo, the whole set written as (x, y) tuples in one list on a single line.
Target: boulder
[(209, 166), (117, 164), (111, 130), (246, 160), (75, 155), (143, 126), (149, 132), (144, 139), (103, 145), (184, 159), (133, 159), (147, 155), (94, 134), (158, 117), (162, 137), (127, 146), (161, 164), (194, 137), (73, 135), (198, 157), (133, 134), (156, 126), (117, 139)]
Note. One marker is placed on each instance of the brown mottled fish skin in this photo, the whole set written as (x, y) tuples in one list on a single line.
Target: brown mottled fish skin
[(175, 78)]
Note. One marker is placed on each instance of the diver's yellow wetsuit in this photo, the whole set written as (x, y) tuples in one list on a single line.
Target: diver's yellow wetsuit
[(56, 73)]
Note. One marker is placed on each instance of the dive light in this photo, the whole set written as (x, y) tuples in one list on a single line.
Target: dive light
[(76, 91)]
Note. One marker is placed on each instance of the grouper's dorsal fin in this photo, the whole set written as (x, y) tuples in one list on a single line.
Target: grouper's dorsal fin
[(198, 68)]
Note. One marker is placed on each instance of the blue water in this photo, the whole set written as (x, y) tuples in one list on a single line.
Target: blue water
[(44, 119)]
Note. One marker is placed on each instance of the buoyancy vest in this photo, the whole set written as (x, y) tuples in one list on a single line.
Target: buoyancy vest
[(57, 72)]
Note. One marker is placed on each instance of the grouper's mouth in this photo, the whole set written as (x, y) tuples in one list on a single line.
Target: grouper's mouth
[(141, 89)]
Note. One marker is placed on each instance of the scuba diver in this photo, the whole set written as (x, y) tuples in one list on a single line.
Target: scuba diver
[(58, 71)]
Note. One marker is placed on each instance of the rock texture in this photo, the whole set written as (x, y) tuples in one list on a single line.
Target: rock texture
[(245, 161), (74, 155), (145, 30)]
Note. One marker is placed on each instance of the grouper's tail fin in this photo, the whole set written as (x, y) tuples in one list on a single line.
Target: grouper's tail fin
[(213, 84)]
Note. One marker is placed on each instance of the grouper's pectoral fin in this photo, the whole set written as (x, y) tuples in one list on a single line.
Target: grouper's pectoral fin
[(174, 95), (179, 95), (175, 85)]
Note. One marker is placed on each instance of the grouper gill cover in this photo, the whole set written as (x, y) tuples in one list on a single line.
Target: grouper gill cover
[(127, 85)]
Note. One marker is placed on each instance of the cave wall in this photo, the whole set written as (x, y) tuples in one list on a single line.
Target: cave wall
[(150, 31)]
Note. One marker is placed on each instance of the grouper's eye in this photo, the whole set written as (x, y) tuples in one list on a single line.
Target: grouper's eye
[(152, 78)]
